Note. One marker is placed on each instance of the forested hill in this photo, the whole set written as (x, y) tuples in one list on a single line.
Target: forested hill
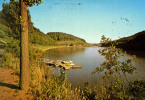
[(10, 29), (66, 39), (9, 17), (134, 42)]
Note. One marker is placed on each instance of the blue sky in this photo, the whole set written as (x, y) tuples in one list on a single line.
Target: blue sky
[(90, 19)]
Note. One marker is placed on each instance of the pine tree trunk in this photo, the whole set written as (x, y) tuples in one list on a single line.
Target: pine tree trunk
[(24, 59)]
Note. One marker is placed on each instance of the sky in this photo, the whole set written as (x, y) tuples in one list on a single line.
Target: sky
[(89, 19)]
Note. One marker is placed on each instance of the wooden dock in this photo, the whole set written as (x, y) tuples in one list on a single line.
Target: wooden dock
[(66, 65), (76, 66)]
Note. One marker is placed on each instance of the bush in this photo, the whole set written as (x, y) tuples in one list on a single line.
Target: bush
[(47, 86), (114, 71)]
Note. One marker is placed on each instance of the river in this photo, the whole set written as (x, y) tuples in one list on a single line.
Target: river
[(90, 58)]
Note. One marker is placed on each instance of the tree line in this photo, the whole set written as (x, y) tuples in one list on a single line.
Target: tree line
[(60, 36), (133, 42)]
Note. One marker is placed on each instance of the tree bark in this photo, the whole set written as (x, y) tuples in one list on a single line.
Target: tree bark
[(24, 58)]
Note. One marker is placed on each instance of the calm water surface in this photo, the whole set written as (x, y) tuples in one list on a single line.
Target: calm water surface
[(89, 58)]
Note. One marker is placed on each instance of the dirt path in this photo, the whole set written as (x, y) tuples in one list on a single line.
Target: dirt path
[(9, 86)]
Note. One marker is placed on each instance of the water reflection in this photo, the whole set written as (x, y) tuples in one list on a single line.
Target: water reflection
[(139, 54), (62, 53)]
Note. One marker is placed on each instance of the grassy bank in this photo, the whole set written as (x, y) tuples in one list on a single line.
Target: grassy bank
[(44, 48)]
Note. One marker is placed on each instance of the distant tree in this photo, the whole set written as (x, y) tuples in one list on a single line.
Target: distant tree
[(59, 36)]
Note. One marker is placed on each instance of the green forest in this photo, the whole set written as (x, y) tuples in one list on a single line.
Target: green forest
[(134, 42), (66, 39), (10, 29)]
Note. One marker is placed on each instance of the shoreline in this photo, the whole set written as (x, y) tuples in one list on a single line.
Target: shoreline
[(53, 48), (45, 48)]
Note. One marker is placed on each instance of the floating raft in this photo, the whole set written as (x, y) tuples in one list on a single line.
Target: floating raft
[(66, 65)]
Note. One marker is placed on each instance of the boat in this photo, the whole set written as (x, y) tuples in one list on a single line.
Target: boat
[(68, 62)]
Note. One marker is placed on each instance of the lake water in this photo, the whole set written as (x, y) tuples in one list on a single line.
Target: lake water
[(89, 58)]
